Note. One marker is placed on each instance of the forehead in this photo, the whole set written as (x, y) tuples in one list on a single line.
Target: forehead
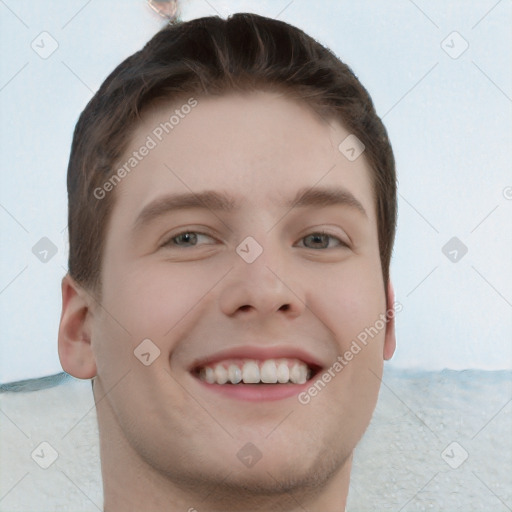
[(261, 146)]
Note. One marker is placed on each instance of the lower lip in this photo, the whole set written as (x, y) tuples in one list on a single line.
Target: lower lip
[(256, 392)]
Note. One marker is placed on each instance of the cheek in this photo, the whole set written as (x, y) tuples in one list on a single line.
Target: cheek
[(349, 299), (356, 301), (148, 302), (151, 299)]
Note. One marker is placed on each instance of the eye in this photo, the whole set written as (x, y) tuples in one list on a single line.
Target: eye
[(320, 240), (185, 239), (316, 240)]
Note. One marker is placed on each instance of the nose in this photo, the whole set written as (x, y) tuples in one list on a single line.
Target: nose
[(263, 288)]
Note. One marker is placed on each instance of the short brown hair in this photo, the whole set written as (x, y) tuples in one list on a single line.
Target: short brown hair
[(213, 56)]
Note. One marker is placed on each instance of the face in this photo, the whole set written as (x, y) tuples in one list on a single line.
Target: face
[(278, 263)]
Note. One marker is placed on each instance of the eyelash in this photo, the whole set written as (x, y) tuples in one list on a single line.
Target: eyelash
[(169, 241)]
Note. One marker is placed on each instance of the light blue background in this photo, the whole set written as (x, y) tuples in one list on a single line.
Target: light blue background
[(448, 119)]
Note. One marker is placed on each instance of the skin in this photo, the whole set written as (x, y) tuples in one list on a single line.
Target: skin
[(166, 442)]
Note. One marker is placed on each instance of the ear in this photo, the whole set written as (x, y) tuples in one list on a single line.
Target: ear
[(390, 339), (75, 352)]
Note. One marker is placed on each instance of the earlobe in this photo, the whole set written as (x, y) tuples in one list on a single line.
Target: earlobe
[(74, 338), (390, 338)]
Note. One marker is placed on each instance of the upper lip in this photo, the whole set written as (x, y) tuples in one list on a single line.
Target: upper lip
[(259, 353)]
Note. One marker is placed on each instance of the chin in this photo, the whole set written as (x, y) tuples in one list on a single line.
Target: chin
[(279, 471)]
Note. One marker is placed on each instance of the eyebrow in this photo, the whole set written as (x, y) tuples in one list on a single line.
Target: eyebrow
[(221, 202)]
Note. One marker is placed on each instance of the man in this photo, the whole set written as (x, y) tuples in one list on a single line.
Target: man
[(232, 211)]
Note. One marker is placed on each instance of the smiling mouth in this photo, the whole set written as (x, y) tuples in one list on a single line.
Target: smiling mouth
[(237, 372)]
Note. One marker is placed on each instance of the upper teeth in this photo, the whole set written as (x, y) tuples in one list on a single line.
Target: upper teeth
[(254, 372)]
